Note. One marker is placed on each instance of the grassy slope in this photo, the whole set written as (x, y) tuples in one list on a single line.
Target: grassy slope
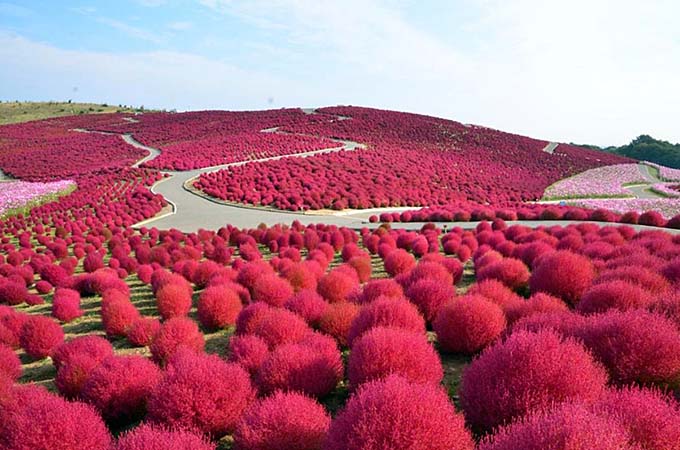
[(26, 111)]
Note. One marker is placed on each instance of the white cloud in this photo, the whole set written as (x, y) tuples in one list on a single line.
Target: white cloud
[(132, 31), (180, 26), (155, 79)]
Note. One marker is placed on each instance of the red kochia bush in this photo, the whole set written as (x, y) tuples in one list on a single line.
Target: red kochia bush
[(66, 305), (279, 326), (40, 420), (71, 377), (636, 347), (651, 418), (154, 437), (337, 320), (250, 316), (118, 313), (218, 307), (142, 331), (336, 285), (304, 368), (386, 312), (380, 287), (173, 300), (300, 276), (563, 274), (383, 351), (120, 386), (249, 351), (536, 304), (308, 304), (40, 335), (468, 324), (399, 261), (619, 295), (10, 365), (527, 372), (283, 421), (430, 296), (568, 426), (395, 413), (509, 271), (201, 392), (497, 292), (272, 289), (95, 347), (173, 334)]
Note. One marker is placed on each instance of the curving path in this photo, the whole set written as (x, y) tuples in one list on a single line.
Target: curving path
[(550, 148), (192, 211)]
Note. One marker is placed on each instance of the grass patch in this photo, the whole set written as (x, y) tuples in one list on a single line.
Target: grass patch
[(26, 207), (18, 112)]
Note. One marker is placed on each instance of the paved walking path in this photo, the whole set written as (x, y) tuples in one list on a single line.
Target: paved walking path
[(192, 211), (550, 148)]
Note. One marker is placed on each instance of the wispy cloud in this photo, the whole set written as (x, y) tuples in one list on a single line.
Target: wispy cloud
[(180, 26), (132, 31)]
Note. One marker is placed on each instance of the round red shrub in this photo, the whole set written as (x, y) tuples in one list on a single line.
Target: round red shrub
[(10, 365), (283, 421), (509, 271), (279, 326), (383, 351), (43, 287), (71, 376), (536, 304), (395, 413), (468, 324), (144, 273), (651, 418), (430, 296), (173, 300), (308, 304), (568, 426), (652, 218), (250, 316), (645, 278), (119, 387), (155, 437), (201, 392), (300, 276), (12, 292), (527, 372), (429, 270), (565, 323), (636, 347), (336, 286), (386, 312), (40, 335), (40, 420), (399, 261), (249, 351), (381, 287), (66, 305), (142, 331), (496, 292), (95, 347), (337, 320), (563, 274), (218, 307), (174, 334), (301, 368), (250, 272), (617, 294), (118, 313), (272, 289)]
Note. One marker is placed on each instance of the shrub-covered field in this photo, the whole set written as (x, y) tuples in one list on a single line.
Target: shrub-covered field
[(321, 337), (116, 336)]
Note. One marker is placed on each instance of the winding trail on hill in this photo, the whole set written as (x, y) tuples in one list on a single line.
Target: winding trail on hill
[(550, 148), (192, 210)]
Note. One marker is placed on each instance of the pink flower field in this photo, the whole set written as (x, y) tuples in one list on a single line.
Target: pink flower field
[(16, 194)]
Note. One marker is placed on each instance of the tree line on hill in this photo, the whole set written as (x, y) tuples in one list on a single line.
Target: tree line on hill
[(646, 148)]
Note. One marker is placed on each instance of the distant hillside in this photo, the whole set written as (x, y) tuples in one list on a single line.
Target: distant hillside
[(16, 112), (646, 148)]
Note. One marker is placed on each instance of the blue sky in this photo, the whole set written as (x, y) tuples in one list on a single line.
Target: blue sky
[(598, 71)]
